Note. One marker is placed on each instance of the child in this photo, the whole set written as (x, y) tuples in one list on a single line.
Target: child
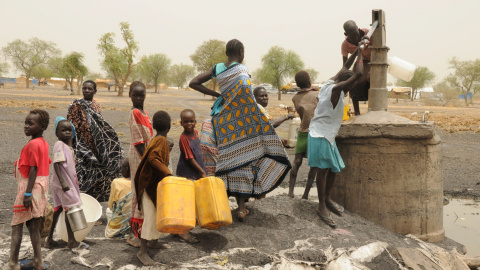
[(31, 171), (120, 204), (353, 35), (322, 150), (305, 102), (141, 133), (65, 190), (151, 170), (190, 164)]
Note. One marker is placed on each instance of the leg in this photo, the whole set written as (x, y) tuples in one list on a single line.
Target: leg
[(311, 177), (72, 242), (132, 240), (297, 162), (142, 254), (356, 106), (49, 243), (242, 211), (321, 188), (33, 228), (333, 206), (17, 231), (330, 180)]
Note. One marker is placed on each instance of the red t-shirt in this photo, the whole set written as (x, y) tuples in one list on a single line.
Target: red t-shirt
[(35, 153), (185, 145)]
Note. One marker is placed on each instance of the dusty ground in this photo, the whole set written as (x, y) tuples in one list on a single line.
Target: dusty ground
[(275, 223)]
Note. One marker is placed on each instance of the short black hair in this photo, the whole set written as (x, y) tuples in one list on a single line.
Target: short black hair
[(135, 84), (185, 111), (161, 121), (345, 76), (302, 78), (233, 47), (92, 82), (44, 117), (258, 89), (350, 26)]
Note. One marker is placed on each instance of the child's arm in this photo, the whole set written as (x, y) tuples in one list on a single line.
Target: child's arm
[(27, 200), (197, 167), (197, 84), (58, 172), (140, 148)]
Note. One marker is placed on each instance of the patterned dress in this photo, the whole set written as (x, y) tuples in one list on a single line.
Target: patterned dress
[(251, 158), (141, 132), (35, 153), (98, 151)]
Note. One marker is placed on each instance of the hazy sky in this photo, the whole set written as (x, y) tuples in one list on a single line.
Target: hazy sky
[(423, 32)]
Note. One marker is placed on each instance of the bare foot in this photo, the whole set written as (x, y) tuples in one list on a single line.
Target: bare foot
[(98, 223), (49, 243), (290, 194), (145, 259), (12, 266), (73, 244), (133, 241), (30, 264), (158, 245), (189, 238)]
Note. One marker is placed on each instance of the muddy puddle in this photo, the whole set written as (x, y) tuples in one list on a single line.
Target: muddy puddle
[(461, 220)]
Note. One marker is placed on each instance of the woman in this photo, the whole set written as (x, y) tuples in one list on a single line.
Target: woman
[(97, 147), (251, 158)]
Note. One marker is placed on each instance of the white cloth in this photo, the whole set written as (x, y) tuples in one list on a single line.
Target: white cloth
[(149, 227), (327, 120)]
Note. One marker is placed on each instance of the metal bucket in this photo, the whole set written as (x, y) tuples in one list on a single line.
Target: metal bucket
[(76, 218)]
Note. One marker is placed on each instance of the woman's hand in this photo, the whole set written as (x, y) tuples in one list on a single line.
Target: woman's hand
[(65, 188), (290, 116), (27, 201)]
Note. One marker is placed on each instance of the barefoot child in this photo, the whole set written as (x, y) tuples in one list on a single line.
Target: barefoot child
[(64, 182), (141, 133), (31, 171), (190, 164), (305, 102), (322, 150), (151, 170)]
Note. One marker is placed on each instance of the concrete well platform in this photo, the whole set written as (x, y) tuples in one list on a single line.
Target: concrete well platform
[(393, 173)]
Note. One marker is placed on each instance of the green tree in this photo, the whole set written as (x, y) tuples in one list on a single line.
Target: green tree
[(208, 54), (465, 77), (180, 74), (27, 56), (3, 68), (154, 68), (422, 77), (119, 61), (56, 64), (43, 71), (277, 64), (449, 95), (75, 69), (313, 74)]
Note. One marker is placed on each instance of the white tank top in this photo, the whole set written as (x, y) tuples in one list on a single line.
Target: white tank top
[(327, 120)]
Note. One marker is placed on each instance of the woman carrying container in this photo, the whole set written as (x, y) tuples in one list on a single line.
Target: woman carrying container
[(251, 159)]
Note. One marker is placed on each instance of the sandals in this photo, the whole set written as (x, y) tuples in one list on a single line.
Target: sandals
[(335, 207), (189, 238), (28, 265), (242, 214), (328, 220)]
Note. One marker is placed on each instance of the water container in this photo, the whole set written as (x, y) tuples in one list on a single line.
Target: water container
[(346, 108), (293, 131), (92, 211), (76, 218), (213, 208), (400, 68), (175, 205)]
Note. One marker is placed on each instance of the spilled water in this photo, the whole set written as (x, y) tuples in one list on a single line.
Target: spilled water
[(461, 220)]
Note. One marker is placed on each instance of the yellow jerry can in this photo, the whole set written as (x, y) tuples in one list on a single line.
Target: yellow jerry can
[(175, 205), (213, 209)]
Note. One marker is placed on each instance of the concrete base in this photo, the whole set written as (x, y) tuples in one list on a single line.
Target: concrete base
[(393, 173)]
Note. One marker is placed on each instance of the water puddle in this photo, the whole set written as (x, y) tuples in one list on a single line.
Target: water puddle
[(461, 220)]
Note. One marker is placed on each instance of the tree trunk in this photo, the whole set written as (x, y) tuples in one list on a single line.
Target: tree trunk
[(466, 99), (79, 85), (65, 87), (279, 94), (120, 88), (27, 82), (71, 85), (414, 91)]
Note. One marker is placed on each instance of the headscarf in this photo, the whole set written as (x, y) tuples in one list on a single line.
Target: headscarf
[(60, 119)]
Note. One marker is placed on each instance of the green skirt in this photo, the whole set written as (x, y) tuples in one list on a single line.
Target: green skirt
[(321, 154), (302, 143)]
